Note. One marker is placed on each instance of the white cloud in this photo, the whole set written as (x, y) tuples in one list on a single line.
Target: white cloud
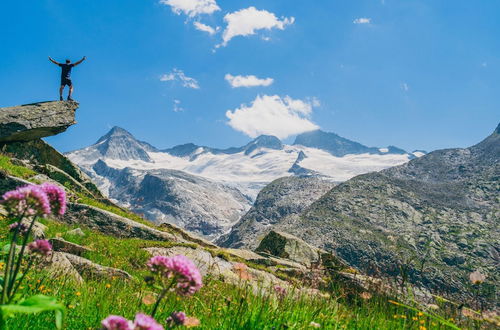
[(362, 20), (192, 8), (177, 74), (247, 81), (315, 102), (177, 106), (205, 28), (246, 21), (272, 115)]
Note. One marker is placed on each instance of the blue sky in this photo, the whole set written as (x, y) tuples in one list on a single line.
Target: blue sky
[(419, 74)]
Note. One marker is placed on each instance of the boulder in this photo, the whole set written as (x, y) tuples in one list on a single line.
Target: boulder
[(59, 266), (231, 272), (206, 263), (251, 256), (38, 230), (77, 232), (62, 264), (90, 270), (111, 224), (191, 237), (37, 120), (61, 245), (283, 245)]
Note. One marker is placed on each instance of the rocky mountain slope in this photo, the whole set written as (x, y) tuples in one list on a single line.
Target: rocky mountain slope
[(194, 203), (433, 220), (283, 198), (236, 175)]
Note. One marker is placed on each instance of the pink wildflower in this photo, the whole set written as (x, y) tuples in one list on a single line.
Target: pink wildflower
[(21, 227), (184, 271), (114, 322), (280, 291), (177, 318), (57, 197), (28, 200), (146, 322), (41, 246)]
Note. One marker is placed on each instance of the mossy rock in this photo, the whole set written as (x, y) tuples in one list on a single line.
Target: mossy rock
[(40, 153)]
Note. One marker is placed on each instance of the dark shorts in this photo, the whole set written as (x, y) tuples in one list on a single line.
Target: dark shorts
[(66, 81)]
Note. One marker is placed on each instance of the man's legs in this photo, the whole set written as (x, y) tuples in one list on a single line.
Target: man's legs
[(70, 92), (61, 89)]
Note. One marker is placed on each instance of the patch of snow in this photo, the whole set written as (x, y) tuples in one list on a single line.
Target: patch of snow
[(418, 153)]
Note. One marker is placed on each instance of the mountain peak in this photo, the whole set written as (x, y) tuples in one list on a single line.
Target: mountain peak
[(263, 141), (339, 146), (333, 143), (119, 143), (116, 131)]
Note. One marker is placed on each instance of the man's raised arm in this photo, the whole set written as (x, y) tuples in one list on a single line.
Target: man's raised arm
[(80, 61), (56, 63)]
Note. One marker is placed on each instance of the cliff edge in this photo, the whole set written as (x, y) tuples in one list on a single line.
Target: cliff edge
[(37, 120)]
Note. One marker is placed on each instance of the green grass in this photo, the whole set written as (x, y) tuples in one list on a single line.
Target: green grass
[(15, 170), (218, 305)]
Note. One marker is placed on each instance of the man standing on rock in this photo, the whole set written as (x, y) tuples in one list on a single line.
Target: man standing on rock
[(66, 76)]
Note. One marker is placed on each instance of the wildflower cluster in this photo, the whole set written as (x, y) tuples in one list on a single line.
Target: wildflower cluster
[(28, 200), (39, 200), (19, 226), (179, 272), (25, 204), (141, 322), (183, 271), (56, 196), (41, 246)]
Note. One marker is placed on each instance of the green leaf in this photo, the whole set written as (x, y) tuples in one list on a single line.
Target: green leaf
[(5, 248), (36, 304)]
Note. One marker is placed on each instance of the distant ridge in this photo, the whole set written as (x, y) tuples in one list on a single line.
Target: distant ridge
[(339, 146)]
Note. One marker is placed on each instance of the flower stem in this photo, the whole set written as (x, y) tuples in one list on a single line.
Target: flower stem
[(20, 257), (30, 263), (161, 296), (8, 264)]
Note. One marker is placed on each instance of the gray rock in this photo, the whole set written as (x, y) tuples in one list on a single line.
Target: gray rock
[(37, 120), (59, 266), (45, 159), (76, 232), (283, 245), (259, 280), (206, 263), (38, 230), (267, 260), (90, 270), (61, 245), (111, 224)]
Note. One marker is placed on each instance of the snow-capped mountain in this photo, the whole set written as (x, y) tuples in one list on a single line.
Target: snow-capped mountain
[(119, 164)]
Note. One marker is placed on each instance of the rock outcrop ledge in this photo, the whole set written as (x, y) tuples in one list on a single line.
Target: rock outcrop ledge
[(37, 120)]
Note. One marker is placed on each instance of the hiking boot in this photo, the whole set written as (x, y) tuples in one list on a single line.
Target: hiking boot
[(70, 99), (61, 98)]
